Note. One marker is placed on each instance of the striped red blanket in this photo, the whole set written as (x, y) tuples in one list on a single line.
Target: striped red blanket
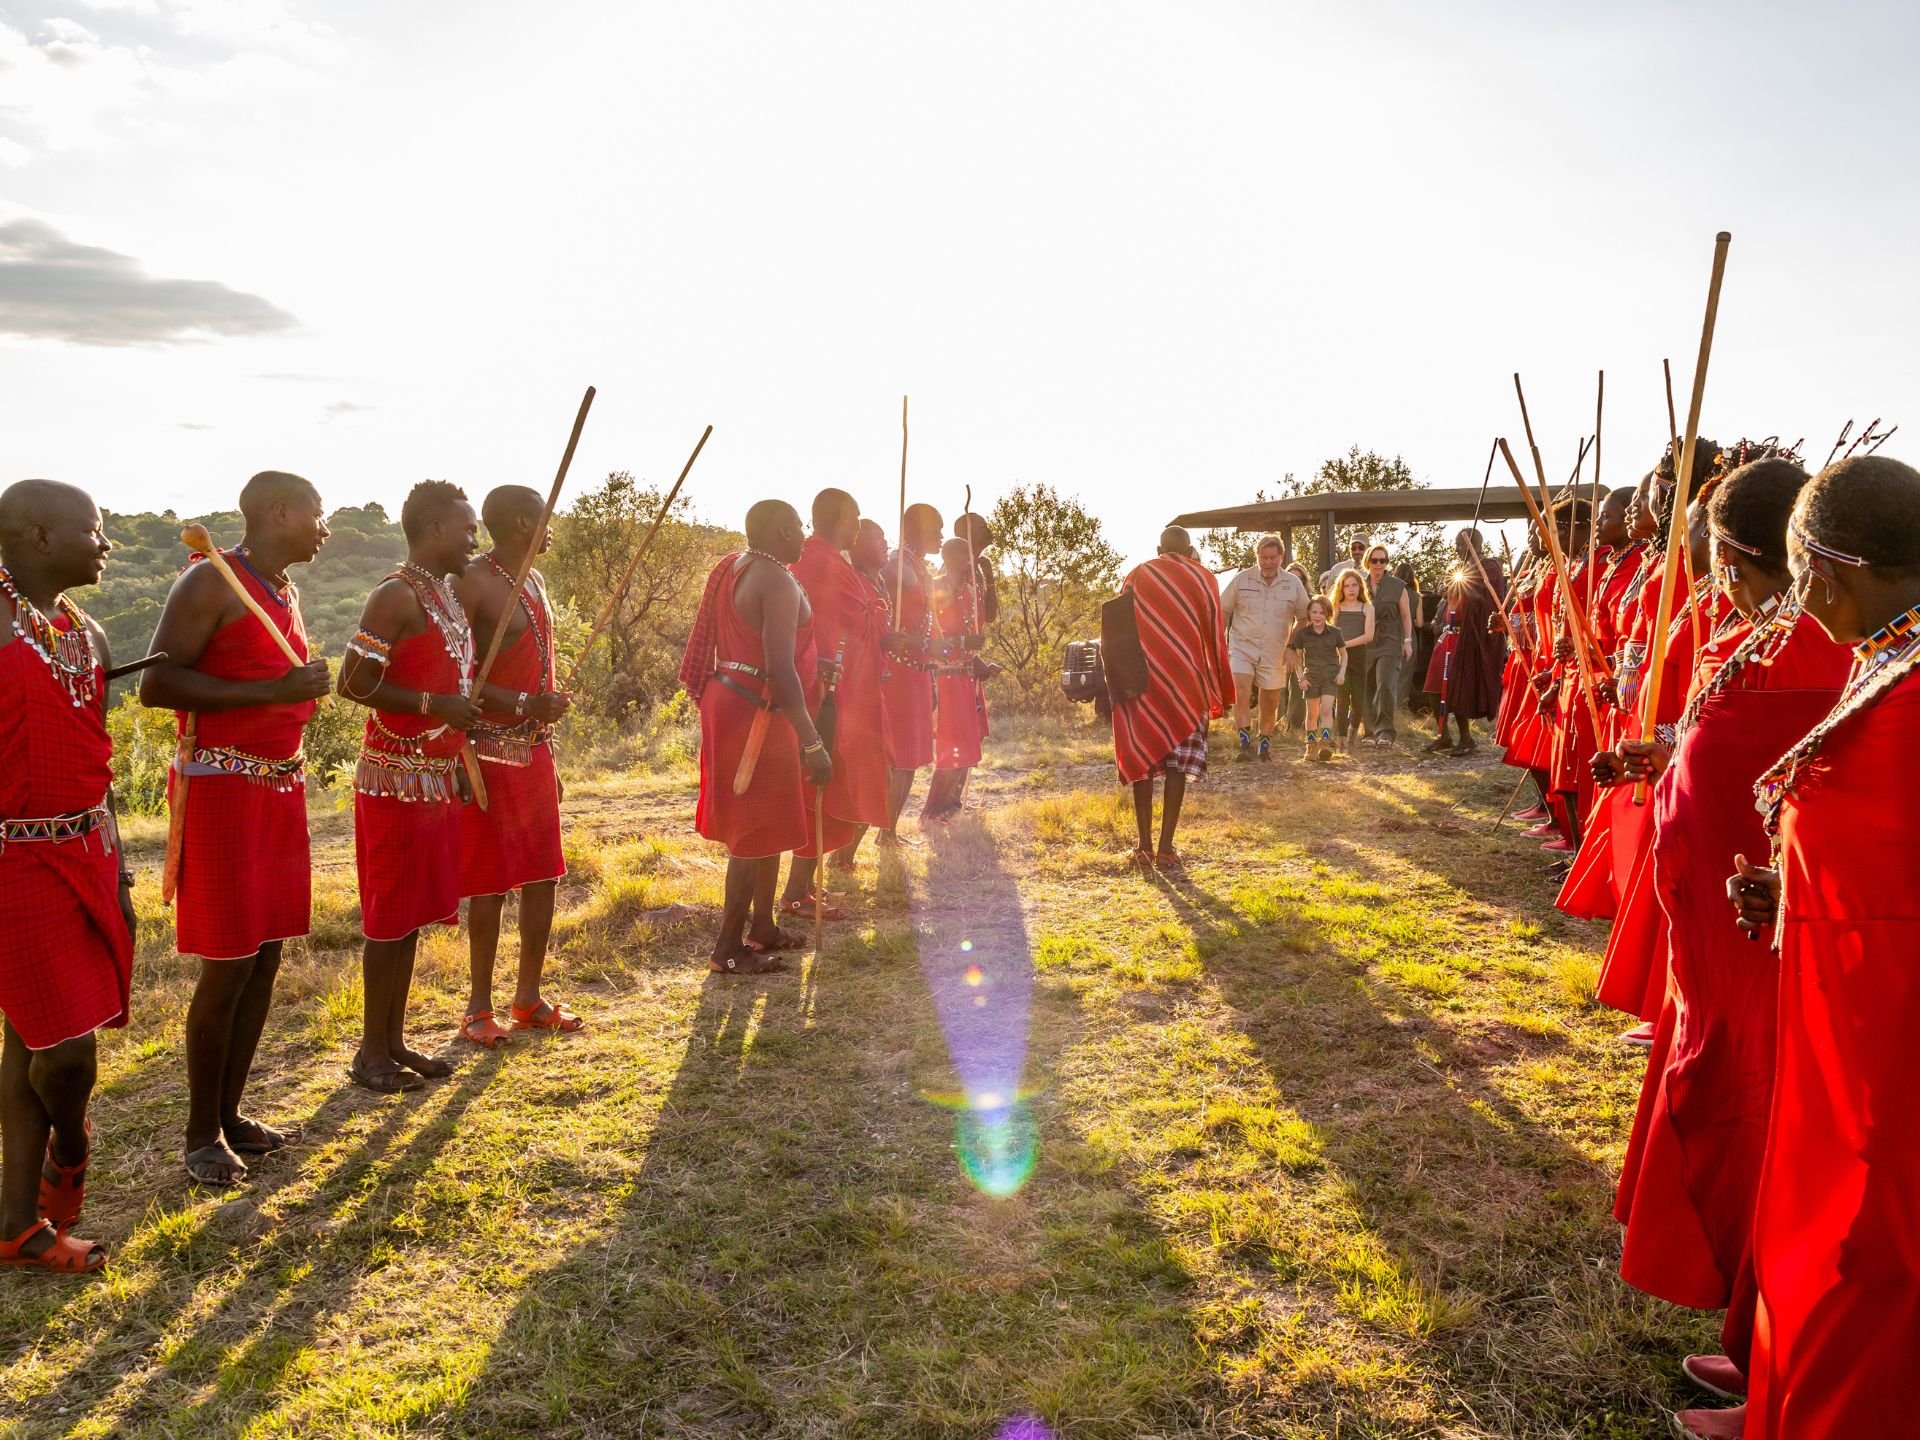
[(1190, 677)]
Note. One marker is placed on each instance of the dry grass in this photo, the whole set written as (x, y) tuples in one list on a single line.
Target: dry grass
[(1326, 1136)]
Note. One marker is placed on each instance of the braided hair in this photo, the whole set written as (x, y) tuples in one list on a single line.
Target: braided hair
[(1751, 505)]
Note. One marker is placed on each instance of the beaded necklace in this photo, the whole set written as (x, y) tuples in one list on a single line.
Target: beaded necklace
[(442, 607), (927, 664), (67, 653), (526, 604), (1773, 625), (1891, 654), (281, 590)]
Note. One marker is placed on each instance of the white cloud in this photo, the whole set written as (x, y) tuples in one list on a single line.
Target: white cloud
[(52, 288), (13, 154)]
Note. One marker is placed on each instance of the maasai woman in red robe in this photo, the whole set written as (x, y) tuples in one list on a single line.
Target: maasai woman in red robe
[(1693, 1161), (749, 664), (1837, 1226), (66, 949), (849, 631)]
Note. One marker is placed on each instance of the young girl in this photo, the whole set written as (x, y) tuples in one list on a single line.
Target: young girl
[(1353, 614), (1324, 652)]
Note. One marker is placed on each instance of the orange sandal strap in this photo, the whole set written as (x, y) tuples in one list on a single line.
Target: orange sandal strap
[(483, 1030), (547, 1016), (65, 1255)]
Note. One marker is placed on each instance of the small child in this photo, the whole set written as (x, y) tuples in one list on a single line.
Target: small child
[(1324, 651)]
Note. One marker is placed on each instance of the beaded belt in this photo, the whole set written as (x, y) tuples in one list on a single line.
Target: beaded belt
[(56, 828), (511, 745), (407, 776), (282, 775)]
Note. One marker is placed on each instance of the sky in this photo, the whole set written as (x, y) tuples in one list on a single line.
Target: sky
[(1157, 256)]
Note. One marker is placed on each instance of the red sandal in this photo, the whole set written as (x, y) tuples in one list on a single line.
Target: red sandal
[(65, 1256), (483, 1030), (545, 1016), (64, 1191)]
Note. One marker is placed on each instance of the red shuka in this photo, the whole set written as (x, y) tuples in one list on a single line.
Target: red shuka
[(1189, 673), (849, 624), (1693, 1163), (1837, 1227), (66, 960), (1530, 734), (909, 687), (773, 816), (515, 841), (407, 846), (246, 873), (960, 709)]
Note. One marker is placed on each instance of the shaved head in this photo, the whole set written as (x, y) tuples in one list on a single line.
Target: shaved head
[(274, 487), (51, 538), (507, 505), (1174, 540), (773, 527), (27, 503)]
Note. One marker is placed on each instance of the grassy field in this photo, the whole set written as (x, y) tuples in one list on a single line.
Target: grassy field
[(1324, 1136)]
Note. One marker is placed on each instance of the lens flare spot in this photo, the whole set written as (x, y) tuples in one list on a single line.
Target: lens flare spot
[(998, 1148), (1024, 1427), (974, 975), (966, 947)]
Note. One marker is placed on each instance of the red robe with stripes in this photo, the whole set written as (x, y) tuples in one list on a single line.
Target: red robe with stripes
[(65, 957), (246, 872), (1189, 673)]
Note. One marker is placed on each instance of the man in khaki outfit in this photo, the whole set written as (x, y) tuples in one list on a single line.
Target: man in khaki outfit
[(1261, 604)]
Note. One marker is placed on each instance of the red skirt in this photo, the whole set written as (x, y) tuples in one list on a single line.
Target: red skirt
[(958, 723), (515, 841), (408, 856), (246, 872), (909, 695), (776, 814), (1633, 976), (66, 960)]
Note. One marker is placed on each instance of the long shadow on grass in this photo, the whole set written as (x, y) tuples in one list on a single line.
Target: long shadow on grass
[(1499, 1231), (802, 1253)]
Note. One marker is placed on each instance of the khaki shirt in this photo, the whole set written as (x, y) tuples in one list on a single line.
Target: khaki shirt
[(1260, 616)]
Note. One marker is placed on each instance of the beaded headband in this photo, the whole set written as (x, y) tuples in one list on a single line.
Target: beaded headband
[(1721, 537), (1840, 557)]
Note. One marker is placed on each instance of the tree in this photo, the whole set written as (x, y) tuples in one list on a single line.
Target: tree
[(1054, 568), (637, 659), (1233, 549)]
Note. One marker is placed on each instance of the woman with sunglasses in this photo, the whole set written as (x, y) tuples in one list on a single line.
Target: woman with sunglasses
[(1836, 1250)]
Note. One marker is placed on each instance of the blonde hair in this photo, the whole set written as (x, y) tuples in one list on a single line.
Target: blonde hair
[(1336, 595)]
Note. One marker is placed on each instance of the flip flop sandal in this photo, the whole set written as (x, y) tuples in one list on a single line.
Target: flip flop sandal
[(64, 1191), (66, 1255), (1169, 861), (384, 1082), (480, 1028), (782, 940), (804, 909), (548, 1016), (1140, 860), (215, 1165), (266, 1138), (750, 964), (430, 1066)]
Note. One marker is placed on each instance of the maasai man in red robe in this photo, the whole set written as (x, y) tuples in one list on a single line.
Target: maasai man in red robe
[(1564, 703), (411, 663), (239, 796), (1836, 1244), (869, 557), (1475, 653), (909, 689), (749, 663), (960, 708), (66, 949), (1163, 731), (1693, 1163), (849, 640), (513, 844)]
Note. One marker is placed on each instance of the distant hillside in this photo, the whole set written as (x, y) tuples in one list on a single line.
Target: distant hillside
[(147, 555)]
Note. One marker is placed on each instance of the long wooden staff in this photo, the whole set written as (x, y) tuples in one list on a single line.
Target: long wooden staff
[(1560, 571), (196, 538), (900, 530), (467, 756), (1582, 631), (633, 568), (1682, 483), (1493, 450), (1686, 551), (1593, 512)]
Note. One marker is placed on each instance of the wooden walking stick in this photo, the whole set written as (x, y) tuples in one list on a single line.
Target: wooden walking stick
[(1576, 615), (633, 568), (1686, 551), (1677, 529), (1593, 512), (468, 758), (900, 529), (1559, 564), (196, 538)]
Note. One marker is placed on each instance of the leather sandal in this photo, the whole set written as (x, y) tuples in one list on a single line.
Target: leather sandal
[(384, 1082), (217, 1165), (66, 1255), (803, 909), (546, 1016), (752, 963), (63, 1188)]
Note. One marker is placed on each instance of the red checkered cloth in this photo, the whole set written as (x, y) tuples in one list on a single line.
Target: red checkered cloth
[(775, 815), (246, 872), (406, 849), (1189, 674), (1189, 757), (66, 959), (696, 662)]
